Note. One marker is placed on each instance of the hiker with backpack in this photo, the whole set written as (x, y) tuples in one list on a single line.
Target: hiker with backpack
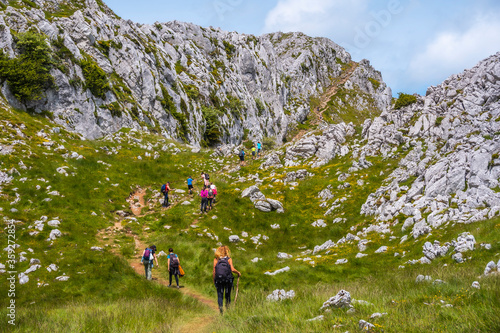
[(204, 199), (190, 184), (147, 259), (223, 275), (259, 148), (210, 197), (214, 190), (242, 157), (253, 152), (165, 189), (207, 179), (173, 267)]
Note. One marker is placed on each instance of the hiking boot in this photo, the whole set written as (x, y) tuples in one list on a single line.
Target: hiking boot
[(220, 309), (178, 287)]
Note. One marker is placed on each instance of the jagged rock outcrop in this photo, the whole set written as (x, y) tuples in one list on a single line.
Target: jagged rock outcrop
[(162, 76), (452, 167), (324, 147)]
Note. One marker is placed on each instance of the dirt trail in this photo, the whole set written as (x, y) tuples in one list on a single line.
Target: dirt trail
[(332, 90), (325, 98), (198, 324)]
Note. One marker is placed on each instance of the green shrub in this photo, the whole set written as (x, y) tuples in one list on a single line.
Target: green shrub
[(179, 68), (114, 108), (229, 48), (169, 106), (234, 104), (213, 131), (192, 91), (439, 120), (404, 100), (28, 75), (375, 83), (96, 79), (260, 106)]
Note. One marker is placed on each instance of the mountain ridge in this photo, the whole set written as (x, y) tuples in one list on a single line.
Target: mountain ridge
[(162, 75)]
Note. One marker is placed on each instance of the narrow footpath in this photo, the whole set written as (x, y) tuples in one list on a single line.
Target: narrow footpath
[(332, 90), (198, 324)]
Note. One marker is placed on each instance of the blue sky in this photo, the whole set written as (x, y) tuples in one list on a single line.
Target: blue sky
[(414, 43)]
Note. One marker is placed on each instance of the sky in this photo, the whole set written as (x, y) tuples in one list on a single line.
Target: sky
[(413, 43)]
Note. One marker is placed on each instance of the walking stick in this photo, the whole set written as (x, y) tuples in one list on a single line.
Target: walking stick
[(237, 284)]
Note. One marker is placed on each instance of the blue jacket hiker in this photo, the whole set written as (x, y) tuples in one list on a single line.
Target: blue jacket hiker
[(147, 259), (190, 184), (173, 267)]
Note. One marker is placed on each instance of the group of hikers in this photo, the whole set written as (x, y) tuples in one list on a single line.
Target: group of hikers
[(256, 149), (222, 272), (208, 192), (173, 264)]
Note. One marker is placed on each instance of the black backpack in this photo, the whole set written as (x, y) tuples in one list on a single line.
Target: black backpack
[(207, 177), (223, 271), (174, 261)]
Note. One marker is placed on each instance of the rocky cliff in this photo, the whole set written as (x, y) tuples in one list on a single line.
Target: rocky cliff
[(199, 85), (447, 145)]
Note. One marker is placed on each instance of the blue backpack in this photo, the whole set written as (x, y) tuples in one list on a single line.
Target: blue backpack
[(163, 188)]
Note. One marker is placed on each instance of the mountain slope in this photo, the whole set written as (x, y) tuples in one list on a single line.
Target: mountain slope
[(176, 78)]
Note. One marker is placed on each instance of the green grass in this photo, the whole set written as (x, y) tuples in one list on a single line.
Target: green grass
[(104, 293)]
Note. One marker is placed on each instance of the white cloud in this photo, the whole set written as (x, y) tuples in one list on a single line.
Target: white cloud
[(451, 52), (315, 17)]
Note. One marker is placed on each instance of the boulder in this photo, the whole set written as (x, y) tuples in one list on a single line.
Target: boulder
[(490, 267), (234, 238), (365, 326), (263, 205), (341, 300), (381, 249), (280, 294)]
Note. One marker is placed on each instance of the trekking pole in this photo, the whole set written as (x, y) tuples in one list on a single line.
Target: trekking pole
[(237, 285)]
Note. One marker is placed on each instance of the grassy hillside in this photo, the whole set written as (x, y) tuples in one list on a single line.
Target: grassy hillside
[(104, 294)]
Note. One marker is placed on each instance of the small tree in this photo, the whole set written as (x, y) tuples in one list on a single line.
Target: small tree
[(213, 131), (28, 75), (268, 143), (404, 100)]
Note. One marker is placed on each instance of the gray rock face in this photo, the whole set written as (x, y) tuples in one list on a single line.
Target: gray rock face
[(273, 75), (452, 135), (324, 147)]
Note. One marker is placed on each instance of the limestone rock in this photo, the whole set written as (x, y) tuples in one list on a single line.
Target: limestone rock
[(341, 300), (234, 238), (280, 294), (281, 270)]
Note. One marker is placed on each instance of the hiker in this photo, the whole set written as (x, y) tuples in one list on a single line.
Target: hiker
[(223, 275), (242, 157), (165, 189), (210, 197), (253, 152), (259, 148), (190, 184), (214, 189), (207, 179), (204, 199), (173, 267), (147, 259)]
